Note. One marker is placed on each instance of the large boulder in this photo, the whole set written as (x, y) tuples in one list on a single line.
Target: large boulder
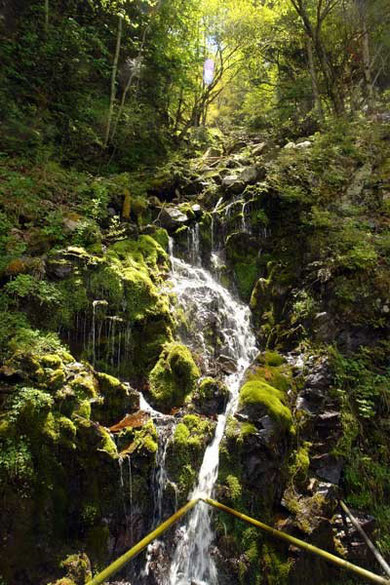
[(172, 218), (233, 184)]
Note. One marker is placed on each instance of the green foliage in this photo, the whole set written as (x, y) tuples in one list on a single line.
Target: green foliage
[(24, 287), (16, 463), (29, 404)]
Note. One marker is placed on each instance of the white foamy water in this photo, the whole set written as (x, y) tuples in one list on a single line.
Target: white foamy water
[(207, 305)]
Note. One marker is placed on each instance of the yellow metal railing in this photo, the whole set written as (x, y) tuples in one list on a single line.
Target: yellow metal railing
[(135, 550)]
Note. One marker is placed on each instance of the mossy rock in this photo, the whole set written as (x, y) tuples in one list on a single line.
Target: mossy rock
[(257, 399), (242, 254), (85, 385), (56, 379), (119, 399), (272, 368), (60, 430), (107, 444), (52, 361), (78, 568), (211, 396), (173, 377), (185, 452)]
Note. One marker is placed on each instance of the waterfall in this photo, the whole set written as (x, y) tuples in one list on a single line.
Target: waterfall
[(223, 331)]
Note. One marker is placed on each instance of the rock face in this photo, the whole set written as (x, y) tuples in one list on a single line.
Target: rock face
[(307, 249)]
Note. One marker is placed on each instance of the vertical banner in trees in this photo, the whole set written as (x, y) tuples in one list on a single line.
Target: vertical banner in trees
[(208, 71)]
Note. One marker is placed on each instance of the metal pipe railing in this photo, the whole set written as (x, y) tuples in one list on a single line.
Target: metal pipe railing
[(135, 550)]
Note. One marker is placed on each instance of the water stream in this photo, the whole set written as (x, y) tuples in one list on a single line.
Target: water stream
[(221, 330)]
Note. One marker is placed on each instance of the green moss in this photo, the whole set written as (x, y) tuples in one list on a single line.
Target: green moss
[(259, 394), (147, 438), (51, 361), (234, 487), (209, 387), (247, 429), (107, 444), (299, 467), (276, 567), (273, 358), (246, 275), (186, 451), (173, 377), (106, 283), (56, 380), (273, 370), (85, 385), (109, 384), (144, 252), (60, 430), (139, 292), (161, 236), (83, 409), (78, 568)]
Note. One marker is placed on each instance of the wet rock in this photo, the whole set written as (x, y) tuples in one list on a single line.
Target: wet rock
[(211, 396), (327, 467), (227, 364), (194, 187), (232, 184), (320, 376), (259, 149), (172, 218), (249, 175), (269, 429), (346, 533), (59, 268), (197, 210), (237, 146), (324, 327)]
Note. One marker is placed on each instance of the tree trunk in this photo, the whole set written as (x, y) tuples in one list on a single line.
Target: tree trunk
[(314, 80), (113, 79), (314, 33), (367, 72), (46, 17), (179, 110)]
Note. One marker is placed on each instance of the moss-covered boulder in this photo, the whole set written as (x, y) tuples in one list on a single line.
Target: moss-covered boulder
[(259, 399), (211, 396), (185, 452), (119, 399), (173, 377)]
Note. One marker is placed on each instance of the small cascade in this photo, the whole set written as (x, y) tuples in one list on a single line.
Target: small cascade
[(96, 340), (166, 429), (127, 493), (212, 226), (223, 331), (194, 244), (130, 495), (244, 223)]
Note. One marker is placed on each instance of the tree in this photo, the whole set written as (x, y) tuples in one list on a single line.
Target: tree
[(113, 79), (313, 20)]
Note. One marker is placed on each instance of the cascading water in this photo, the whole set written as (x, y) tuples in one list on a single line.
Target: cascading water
[(206, 301)]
